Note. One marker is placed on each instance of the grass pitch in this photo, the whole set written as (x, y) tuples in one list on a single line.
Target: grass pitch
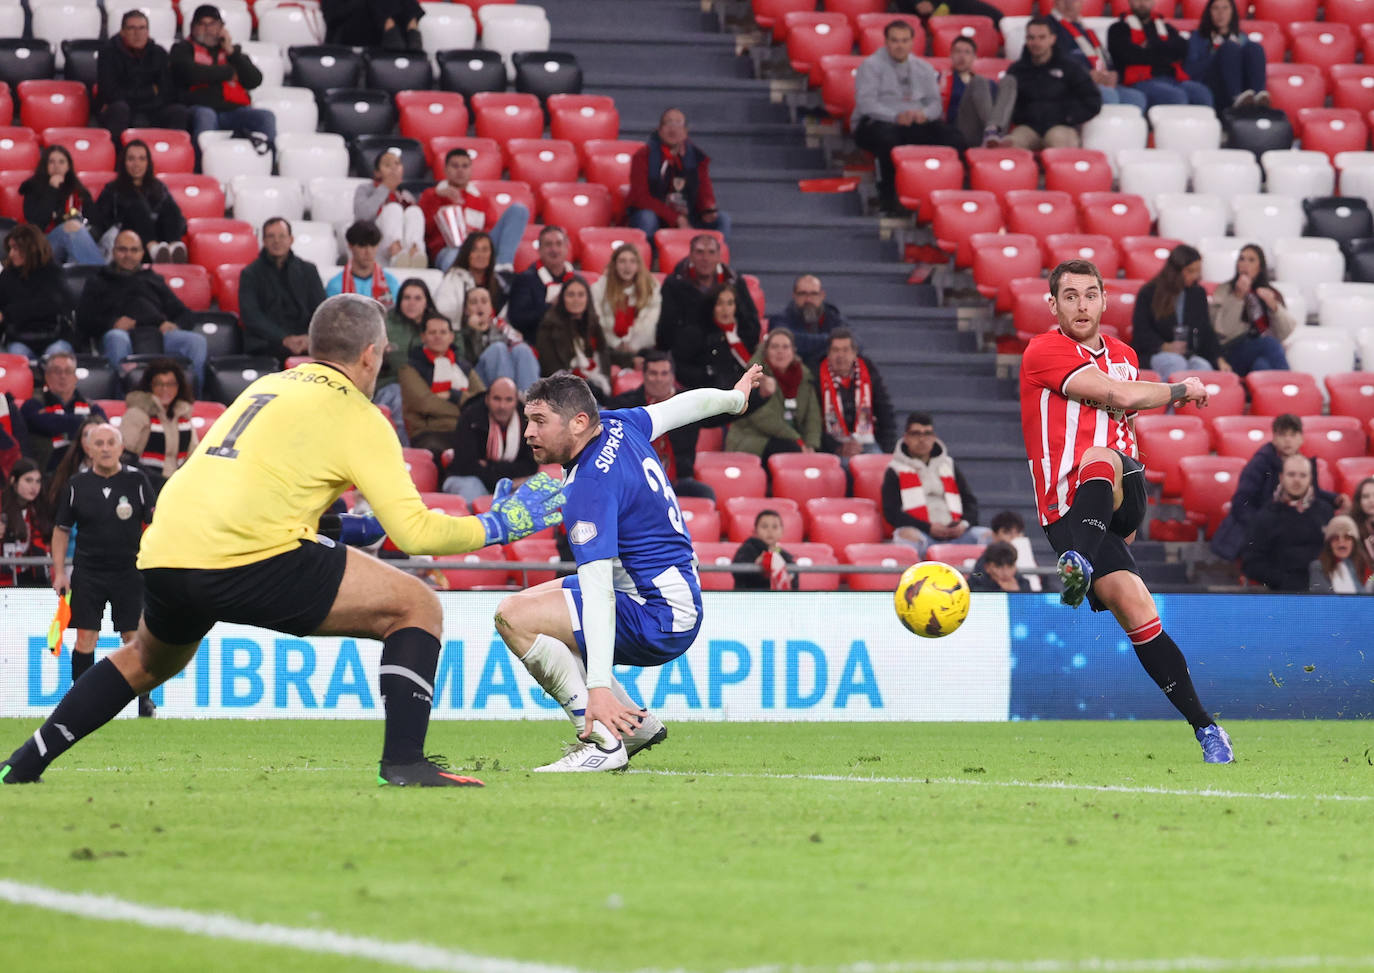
[(952, 847)]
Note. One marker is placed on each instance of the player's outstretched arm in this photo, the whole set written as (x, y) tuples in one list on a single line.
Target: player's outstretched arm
[(1094, 385), (692, 406), (516, 514)]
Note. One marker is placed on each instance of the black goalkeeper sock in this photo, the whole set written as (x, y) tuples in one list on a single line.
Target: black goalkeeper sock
[(1163, 660), (81, 661), (91, 703), (409, 660), (1089, 516)]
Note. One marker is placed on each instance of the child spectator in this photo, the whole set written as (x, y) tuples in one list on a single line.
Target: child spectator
[(570, 338), (395, 211), (765, 549), (998, 571), (1342, 568), (362, 274), (628, 301), (25, 524)]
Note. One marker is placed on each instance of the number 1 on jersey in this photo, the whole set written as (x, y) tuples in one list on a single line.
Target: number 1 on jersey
[(226, 448)]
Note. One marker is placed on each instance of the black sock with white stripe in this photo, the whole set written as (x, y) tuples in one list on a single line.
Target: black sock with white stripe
[(409, 660), (95, 699)]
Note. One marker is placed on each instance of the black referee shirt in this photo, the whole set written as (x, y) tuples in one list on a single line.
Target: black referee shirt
[(109, 513)]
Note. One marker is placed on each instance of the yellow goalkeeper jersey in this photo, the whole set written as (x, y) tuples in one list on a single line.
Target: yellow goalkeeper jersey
[(274, 462)]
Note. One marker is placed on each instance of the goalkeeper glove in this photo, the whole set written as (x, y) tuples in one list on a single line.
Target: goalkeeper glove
[(525, 511)]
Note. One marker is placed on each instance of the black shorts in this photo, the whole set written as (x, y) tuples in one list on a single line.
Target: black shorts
[(1114, 554), (93, 589), (291, 593)]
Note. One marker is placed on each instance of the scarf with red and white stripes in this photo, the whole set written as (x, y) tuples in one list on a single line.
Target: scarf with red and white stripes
[(862, 382), (447, 375), (1136, 73), (911, 480), (503, 442), (380, 291)]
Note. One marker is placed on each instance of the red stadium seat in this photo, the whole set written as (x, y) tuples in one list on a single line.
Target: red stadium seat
[(755, 288), (1352, 394), (1117, 215), (740, 512), (813, 34), (957, 214), (943, 31), (170, 148), (197, 195), (815, 555), (626, 379), (1143, 256), (427, 114), (537, 161), (1040, 213), (204, 413), (16, 377), (607, 161), (487, 160), (1268, 35), (1274, 393), (1286, 11), (898, 557), (1293, 87), (711, 440), (6, 104), (1367, 42), (1225, 391), (1351, 472), (1352, 86), (837, 85), (213, 241), (19, 149), (1333, 130), (732, 475), (999, 258), (1209, 483), (867, 471), (1164, 440), (227, 286), (189, 282), (596, 244), (702, 518), (1356, 13), (503, 193), (504, 116), (962, 557), (420, 465), (11, 203), (91, 148), (114, 409), (1239, 435), (1076, 171), (527, 251), (96, 180), (922, 169), (674, 244), (1083, 246), (856, 9), (1121, 305), (533, 549), (458, 579), (715, 552), (1332, 438), (1002, 170), (1321, 43), (580, 119), (843, 520), (53, 104), (992, 68), (448, 503), (769, 14), (573, 205), (805, 476), (870, 30), (1030, 309)]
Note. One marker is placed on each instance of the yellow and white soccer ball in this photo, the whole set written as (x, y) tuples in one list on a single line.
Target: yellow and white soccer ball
[(932, 599)]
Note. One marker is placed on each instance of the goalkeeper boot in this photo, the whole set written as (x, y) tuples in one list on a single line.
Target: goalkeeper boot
[(1075, 574), (18, 769), (589, 756), (427, 772), (650, 733), (1216, 745)]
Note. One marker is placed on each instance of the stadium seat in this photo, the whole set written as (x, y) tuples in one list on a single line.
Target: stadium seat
[(114, 410), (54, 20), (212, 242), (1333, 438), (1142, 256), (454, 506), (220, 329), (962, 557), (1333, 130), (1120, 307), (1351, 394), (1164, 441), (1286, 11), (1116, 215), (204, 414), (503, 193), (530, 549), (420, 465), (537, 161), (958, 214), (331, 199), (813, 34), (1190, 217), (226, 158), (1239, 435), (1352, 86), (487, 160), (363, 151), (544, 73), (716, 553), (267, 58), (1040, 213), (1185, 128), (867, 470), (1318, 352), (732, 475), (95, 378), (1265, 218), (302, 156), (1340, 218), (701, 517), (91, 148), (573, 205), (739, 513), (1321, 42), (897, 557), (1307, 261), (922, 169), (607, 162), (998, 258), (1083, 246), (1269, 35), (425, 114), (25, 60), (53, 104), (815, 555), (257, 198), (1274, 393), (315, 241), (226, 378), (11, 203), (1356, 13), (295, 109), (16, 377), (943, 31), (1350, 473), (189, 282), (805, 476), (870, 30), (1002, 170), (1360, 254), (447, 27), (673, 245), (1225, 391), (469, 72), (6, 105), (1076, 171), (1259, 130), (1030, 309), (507, 28), (1345, 306), (507, 116), (396, 71), (1225, 173), (843, 520), (170, 148), (357, 111), (497, 575), (226, 285), (1114, 129), (583, 118), (1356, 174), (1209, 482), (838, 72), (856, 9), (1293, 87), (321, 67), (1150, 172), (596, 244), (289, 26)]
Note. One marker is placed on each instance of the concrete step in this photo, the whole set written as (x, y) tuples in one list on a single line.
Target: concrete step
[(661, 17), (813, 246)]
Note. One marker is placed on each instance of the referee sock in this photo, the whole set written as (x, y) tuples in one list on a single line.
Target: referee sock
[(409, 660), (89, 704), (1091, 510), (1163, 660), (81, 661)]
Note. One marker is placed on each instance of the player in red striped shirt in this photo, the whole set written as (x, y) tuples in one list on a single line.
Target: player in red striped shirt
[(1079, 398)]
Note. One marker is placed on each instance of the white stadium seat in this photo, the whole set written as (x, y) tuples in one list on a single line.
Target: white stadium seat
[(305, 156), (1364, 343), (1357, 175), (1307, 262), (1293, 172), (1320, 352), (507, 28), (257, 198), (1114, 129), (1185, 128), (1149, 172), (292, 25), (1013, 36), (225, 158), (11, 20), (447, 27), (56, 22), (1292, 299), (294, 108), (1266, 217), (268, 59), (1190, 216), (315, 242), (430, 275), (331, 199), (238, 20), (1227, 173), (1346, 306), (1219, 257)]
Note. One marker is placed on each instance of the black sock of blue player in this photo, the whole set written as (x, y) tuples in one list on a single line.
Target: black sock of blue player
[(81, 661), (92, 702), (409, 660), (1089, 516), (1164, 661)]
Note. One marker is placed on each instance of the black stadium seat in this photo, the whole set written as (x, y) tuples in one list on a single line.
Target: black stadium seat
[(22, 60), (96, 379), (357, 111), (1257, 130), (74, 280), (221, 331), (393, 71), (544, 73), (135, 365), (469, 72), (1342, 218), (323, 66), (364, 149), (226, 378), (1359, 257), (80, 59)]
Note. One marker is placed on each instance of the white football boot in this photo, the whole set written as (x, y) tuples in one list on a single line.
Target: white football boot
[(649, 733), (587, 757)]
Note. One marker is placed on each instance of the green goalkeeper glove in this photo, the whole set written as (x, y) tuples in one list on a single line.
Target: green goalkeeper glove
[(525, 511)]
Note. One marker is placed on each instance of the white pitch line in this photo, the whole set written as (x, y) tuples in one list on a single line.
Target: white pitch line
[(1094, 964)]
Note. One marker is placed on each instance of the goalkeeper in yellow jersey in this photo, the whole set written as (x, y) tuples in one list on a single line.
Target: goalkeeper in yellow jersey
[(234, 539)]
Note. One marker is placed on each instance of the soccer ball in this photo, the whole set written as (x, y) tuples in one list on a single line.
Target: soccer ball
[(932, 599)]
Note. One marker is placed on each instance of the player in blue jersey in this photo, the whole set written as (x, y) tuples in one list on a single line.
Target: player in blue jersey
[(636, 597)]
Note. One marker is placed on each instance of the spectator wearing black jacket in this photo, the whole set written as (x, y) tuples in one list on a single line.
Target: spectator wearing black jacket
[(55, 414), (1054, 94), (1172, 321), (14, 434), (855, 406), (535, 289), (35, 312), (677, 448), (278, 294), (1287, 535), (996, 570), (136, 199), (57, 203), (489, 443), (214, 76), (765, 550), (359, 23), (1149, 53), (688, 325), (127, 301), (134, 81), (810, 318)]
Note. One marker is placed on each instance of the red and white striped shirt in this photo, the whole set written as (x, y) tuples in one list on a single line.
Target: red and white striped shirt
[(1057, 428)]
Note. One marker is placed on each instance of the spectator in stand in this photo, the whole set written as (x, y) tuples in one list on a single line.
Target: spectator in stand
[(14, 434), (472, 268), (489, 444), (1220, 56), (855, 407), (214, 77), (137, 200), (405, 329), (435, 384), (1171, 324), (1258, 481), (125, 295), (537, 286), (1054, 94), (670, 182), (278, 294), (134, 81), (765, 549), (54, 415), (57, 203), (996, 570), (925, 9), (810, 318), (35, 314), (362, 274), (784, 414), (359, 23), (691, 327), (394, 210), (493, 346), (25, 525), (1008, 527), (897, 102), (1250, 317), (628, 301), (156, 427), (454, 211), (677, 448), (1149, 54), (1362, 511), (571, 339), (925, 496), (973, 105), (1285, 537), (1342, 568), (1080, 43)]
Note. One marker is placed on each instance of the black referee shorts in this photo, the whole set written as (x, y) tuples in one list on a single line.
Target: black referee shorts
[(94, 588), (291, 593), (1114, 554)]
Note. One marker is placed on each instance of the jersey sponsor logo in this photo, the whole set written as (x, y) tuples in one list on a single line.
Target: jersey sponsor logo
[(615, 435), (582, 532)]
